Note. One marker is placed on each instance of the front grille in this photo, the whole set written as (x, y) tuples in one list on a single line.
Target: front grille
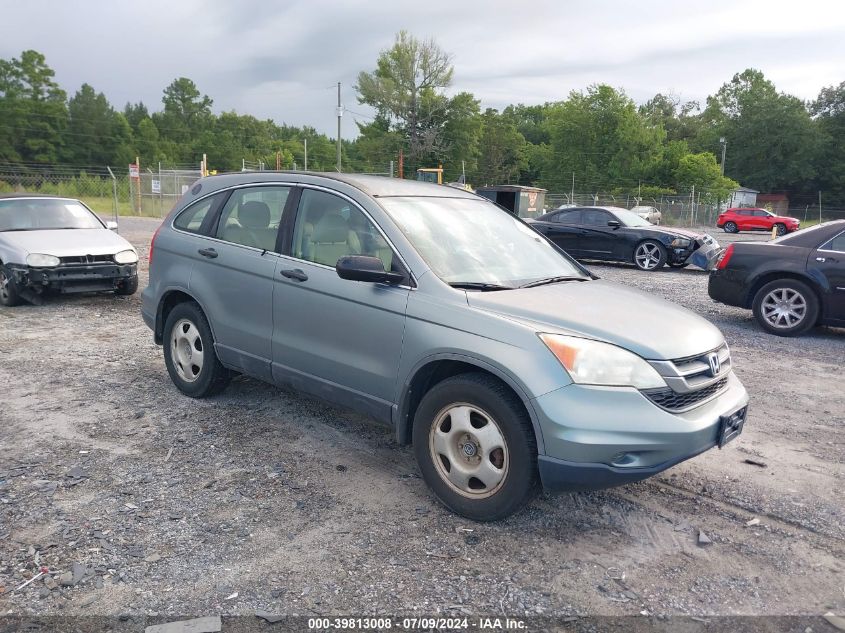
[(674, 401), (86, 259)]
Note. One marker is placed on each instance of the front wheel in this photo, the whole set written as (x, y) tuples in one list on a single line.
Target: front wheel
[(650, 255), (475, 447), (786, 307), (780, 228), (731, 227), (8, 290), (189, 353)]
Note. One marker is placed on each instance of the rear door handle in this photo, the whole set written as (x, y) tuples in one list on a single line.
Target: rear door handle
[(295, 273), (208, 252)]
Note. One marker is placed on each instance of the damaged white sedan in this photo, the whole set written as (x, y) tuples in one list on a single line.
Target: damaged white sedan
[(58, 244)]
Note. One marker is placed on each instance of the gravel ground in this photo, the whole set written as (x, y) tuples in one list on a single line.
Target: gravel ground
[(142, 501)]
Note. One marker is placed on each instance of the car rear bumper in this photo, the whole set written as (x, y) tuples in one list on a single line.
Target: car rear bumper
[(599, 437), (76, 278), (723, 286)]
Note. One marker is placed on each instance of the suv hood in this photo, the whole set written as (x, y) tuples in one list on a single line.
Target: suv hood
[(67, 242), (652, 328)]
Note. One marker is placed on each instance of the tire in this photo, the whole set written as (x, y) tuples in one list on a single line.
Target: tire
[(8, 290), (781, 228), (477, 407), (128, 287), (187, 333), (650, 255), (731, 227), (786, 307)]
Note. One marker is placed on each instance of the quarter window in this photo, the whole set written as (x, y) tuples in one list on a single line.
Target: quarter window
[(191, 219), (836, 244), (329, 227), (251, 216)]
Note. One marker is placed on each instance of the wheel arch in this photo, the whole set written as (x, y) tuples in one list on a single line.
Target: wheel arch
[(435, 369), (169, 300), (767, 277)]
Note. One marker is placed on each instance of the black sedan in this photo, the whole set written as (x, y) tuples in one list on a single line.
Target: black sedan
[(616, 234), (791, 284)]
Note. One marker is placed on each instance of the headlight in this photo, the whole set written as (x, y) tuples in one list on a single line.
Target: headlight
[(38, 260), (594, 363), (126, 257), (680, 242)]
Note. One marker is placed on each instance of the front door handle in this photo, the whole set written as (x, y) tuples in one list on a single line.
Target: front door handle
[(821, 259), (295, 273), (208, 252)]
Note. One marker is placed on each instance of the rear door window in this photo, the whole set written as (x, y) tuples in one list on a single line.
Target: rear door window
[(568, 217), (594, 217), (252, 215)]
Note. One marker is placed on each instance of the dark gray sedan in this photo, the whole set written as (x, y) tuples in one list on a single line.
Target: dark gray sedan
[(502, 360)]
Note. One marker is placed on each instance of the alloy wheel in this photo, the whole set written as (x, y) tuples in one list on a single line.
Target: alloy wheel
[(647, 256), (4, 286), (469, 451), (784, 308), (186, 350)]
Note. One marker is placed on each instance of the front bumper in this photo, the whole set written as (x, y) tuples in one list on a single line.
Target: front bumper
[(599, 437), (74, 278), (703, 252)]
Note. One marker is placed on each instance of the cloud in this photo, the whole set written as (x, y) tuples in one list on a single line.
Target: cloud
[(281, 60)]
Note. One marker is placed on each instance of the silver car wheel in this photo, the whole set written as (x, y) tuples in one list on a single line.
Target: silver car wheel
[(186, 350), (647, 256), (469, 451), (4, 286), (784, 308)]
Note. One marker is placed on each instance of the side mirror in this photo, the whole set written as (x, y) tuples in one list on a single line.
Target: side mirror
[(615, 224), (365, 268), (111, 225)]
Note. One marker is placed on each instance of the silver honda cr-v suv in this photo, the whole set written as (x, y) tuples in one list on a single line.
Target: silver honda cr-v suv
[(504, 361)]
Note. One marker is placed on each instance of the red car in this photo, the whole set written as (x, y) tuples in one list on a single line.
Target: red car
[(742, 219)]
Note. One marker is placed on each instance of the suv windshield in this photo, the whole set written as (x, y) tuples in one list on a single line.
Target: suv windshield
[(467, 241), (40, 214)]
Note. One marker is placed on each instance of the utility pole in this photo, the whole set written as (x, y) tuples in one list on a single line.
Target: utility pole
[(339, 114), (306, 153), (724, 143), (401, 164), (572, 197)]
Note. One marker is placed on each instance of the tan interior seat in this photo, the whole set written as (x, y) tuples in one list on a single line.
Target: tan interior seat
[(331, 240), (253, 228)]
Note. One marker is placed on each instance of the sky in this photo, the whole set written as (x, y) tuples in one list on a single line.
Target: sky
[(282, 60)]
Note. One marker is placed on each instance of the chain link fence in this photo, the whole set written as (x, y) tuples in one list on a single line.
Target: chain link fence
[(681, 209)]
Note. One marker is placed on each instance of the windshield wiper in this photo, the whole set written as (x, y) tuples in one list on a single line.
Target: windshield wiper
[(478, 285), (552, 280)]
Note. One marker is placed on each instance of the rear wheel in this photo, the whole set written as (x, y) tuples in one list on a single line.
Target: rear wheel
[(786, 307), (650, 255), (189, 353), (8, 290), (475, 447), (731, 227), (780, 228)]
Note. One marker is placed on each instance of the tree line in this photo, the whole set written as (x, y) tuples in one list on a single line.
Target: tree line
[(598, 137)]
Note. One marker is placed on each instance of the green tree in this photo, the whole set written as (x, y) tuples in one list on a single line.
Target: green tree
[(601, 138), (406, 89), (96, 134), (186, 116), (680, 120), (502, 150), (33, 113), (772, 141), (702, 172), (829, 112), (461, 137)]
